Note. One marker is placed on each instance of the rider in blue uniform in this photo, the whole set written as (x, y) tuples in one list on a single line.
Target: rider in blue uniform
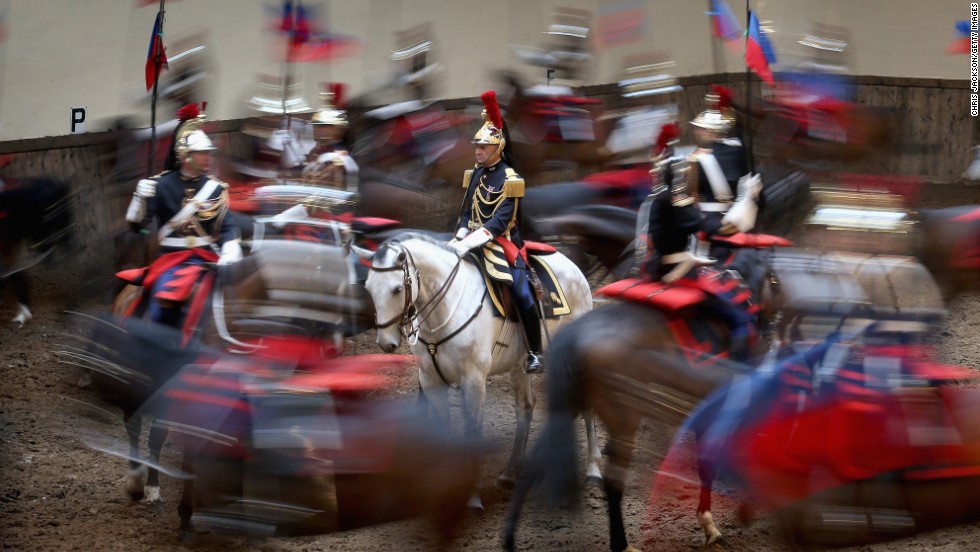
[(719, 176), (673, 217), (191, 209), (488, 220)]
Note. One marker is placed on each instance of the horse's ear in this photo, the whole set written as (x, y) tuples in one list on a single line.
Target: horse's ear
[(362, 252)]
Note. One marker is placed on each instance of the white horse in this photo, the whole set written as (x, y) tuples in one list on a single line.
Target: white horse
[(423, 291)]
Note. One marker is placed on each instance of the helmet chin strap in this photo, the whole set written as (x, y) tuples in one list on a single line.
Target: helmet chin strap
[(497, 155)]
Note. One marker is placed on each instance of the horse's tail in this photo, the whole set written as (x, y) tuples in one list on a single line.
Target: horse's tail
[(555, 451), (553, 459)]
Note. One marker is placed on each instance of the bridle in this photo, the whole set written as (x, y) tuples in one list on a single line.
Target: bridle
[(410, 319)]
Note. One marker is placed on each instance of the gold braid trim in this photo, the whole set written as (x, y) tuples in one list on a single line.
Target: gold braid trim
[(481, 196), (514, 185)]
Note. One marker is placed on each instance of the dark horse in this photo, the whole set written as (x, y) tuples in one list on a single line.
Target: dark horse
[(287, 443), (626, 361), (412, 157), (630, 360), (35, 216)]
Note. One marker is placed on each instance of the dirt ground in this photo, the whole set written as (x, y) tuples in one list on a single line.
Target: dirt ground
[(56, 494)]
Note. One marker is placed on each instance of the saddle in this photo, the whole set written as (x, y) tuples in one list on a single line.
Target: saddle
[(494, 264), (191, 284), (685, 301)]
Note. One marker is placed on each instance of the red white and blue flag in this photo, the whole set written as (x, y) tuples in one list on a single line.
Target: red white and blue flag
[(960, 44), (156, 56), (758, 51), (723, 22), (303, 41)]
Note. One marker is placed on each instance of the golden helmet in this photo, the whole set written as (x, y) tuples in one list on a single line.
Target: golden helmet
[(719, 117), (492, 131), (190, 137), (329, 113)]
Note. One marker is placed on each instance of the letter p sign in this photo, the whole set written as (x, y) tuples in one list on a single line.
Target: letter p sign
[(77, 120)]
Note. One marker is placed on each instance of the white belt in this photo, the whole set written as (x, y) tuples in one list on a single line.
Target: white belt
[(714, 207), (186, 242)]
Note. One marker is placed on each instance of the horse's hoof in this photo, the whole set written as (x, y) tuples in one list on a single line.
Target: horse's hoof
[(505, 482), (475, 505), (136, 496), (153, 497), (24, 315), (711, 533), (593, 480)]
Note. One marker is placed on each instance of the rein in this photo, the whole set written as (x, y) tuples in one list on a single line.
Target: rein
[(410, 320)]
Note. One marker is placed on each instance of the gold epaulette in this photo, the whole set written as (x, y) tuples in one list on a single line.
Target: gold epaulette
[(158, 175), (467, 174), (514, 184)]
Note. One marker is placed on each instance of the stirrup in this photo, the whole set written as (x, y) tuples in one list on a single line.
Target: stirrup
[(685, 263), (533, 364)]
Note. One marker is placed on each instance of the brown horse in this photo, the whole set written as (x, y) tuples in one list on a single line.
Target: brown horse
[(271, 451), (413, 156), (35, 216), (623, 362), (626, 361), (555, 138), (844, 132)]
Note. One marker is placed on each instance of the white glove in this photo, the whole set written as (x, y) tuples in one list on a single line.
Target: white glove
[(293, 213), (231, 252), (475, 239), (742, 214), (350, 166), (146, 188), (460, 234)]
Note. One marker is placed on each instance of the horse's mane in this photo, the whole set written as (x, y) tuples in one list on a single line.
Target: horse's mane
[(414, 235)]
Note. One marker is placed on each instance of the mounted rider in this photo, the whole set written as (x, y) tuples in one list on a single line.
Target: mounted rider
[(719, 177), (489, 217), (668, 219), (329, 162), (670, 214), (190, 207)]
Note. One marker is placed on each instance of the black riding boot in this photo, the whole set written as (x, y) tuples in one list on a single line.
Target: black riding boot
[(532, 329)]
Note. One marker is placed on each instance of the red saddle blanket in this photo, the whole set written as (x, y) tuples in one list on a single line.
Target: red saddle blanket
[(665, 297), (759, 241)]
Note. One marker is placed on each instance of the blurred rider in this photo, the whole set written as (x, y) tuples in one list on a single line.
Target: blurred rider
[(719, 177), (329, 162)]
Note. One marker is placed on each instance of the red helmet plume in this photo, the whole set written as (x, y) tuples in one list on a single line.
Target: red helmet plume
[(338, 94), (668, 133), (493, 111), (726, 98), (191, 111), (188, 112)]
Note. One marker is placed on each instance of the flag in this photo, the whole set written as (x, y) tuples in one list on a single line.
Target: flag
[(961, 44), (758, 51), (723, 22), (303, 42), (156, 56)]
